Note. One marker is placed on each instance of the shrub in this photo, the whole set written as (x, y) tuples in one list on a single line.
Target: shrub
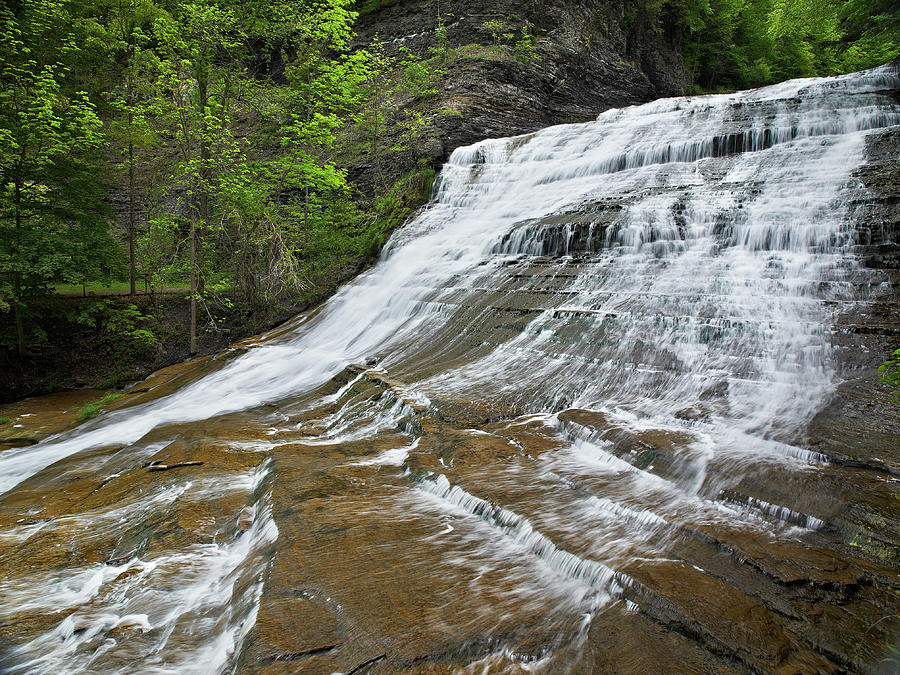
[(890, 373), (94, 408)]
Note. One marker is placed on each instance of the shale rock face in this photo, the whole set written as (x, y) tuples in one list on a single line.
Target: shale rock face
[(592, 57)]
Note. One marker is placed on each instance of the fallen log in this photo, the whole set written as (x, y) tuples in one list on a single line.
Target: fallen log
[(176, 465)]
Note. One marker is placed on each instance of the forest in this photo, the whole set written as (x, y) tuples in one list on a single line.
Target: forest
[(202, 148)]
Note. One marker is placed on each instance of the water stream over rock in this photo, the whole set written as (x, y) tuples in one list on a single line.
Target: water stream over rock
[(594, 439)]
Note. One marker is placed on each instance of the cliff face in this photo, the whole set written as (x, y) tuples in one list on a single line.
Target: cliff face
[(592, 56)]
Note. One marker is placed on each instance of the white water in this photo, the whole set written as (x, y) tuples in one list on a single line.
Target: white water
[(711, 287), (185, 611)]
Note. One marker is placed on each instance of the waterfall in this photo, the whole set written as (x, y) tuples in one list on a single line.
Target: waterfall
[(675, 268), (718, 227)]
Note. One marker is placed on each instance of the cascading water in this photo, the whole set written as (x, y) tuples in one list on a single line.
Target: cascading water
[(641, 308)]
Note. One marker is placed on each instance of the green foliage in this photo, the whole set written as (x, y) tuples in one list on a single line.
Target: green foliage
[(523, 44), (350, 235), (122, 330), (442, 39), (283, 212), (52, 218), (94, 408), (232, 177), (107, 288), (871, 33), (890, 373), (161, 250), (5, 420), (422, 75), (498, 30), (525, 47), (369, 6), (404, 196), (743, 43)]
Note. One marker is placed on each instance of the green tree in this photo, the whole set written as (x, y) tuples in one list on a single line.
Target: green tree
[(372, 118), (52, 221), (872, 30), (744, 43), (277, 229), (200, 45), (890, 373), (709, 39), (132, 101), (806, 33)]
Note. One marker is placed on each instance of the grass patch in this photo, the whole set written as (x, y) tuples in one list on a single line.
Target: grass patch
[(368, 6), (94, 408), (5, 420), (114, 288), (479, 52), (94, 288)]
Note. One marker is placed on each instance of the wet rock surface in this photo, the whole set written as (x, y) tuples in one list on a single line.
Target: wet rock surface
[(353, 581), (32, 420)]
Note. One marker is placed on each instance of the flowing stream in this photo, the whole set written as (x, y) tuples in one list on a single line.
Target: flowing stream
[(599, 349)]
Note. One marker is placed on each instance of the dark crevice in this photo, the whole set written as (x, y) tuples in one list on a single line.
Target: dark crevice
[(294, 656), (366, 664)]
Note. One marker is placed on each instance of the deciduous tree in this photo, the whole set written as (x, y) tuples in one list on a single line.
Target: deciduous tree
[(52, 216)]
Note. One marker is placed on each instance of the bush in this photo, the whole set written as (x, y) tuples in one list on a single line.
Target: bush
[(890, 373), (94, 408)]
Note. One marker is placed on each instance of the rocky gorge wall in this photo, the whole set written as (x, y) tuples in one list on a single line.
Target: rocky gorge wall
[(592, 56)]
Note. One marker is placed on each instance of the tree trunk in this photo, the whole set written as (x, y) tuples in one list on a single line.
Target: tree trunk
[(17, 280), (205, 153), (131, 266), (375, 154), (128, 28), (193, 326), (306, 221), (20, 328)]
